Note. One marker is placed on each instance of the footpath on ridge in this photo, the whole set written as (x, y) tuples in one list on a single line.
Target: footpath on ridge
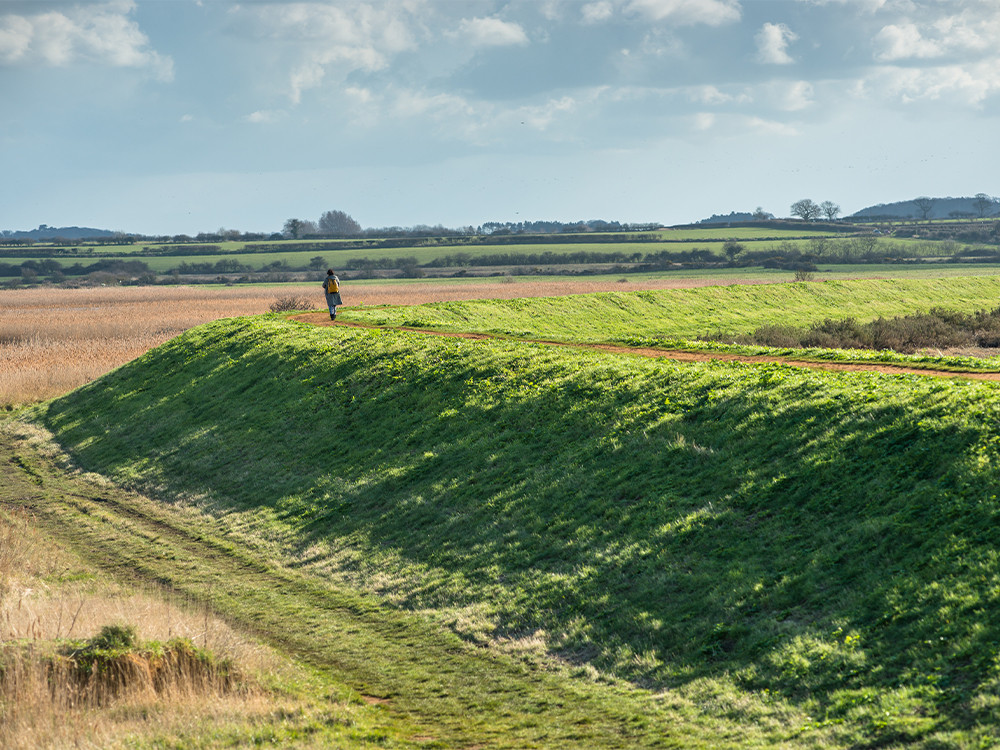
[(679, 355)]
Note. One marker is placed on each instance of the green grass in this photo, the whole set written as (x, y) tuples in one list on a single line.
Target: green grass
[(422, 253), (426, 250), (689, 313), (432, 687), (746, 233), (673, 235), (796, 558)]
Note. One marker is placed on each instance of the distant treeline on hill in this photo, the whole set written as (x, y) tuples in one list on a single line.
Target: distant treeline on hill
[(45, 233), (979, 206)]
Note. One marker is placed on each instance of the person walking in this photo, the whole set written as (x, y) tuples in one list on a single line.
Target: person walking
[(331, 285)]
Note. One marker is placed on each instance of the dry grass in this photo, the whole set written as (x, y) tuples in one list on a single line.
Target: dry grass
[(54, 341), (46, 596)]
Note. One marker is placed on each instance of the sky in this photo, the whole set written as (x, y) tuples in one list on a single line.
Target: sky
[(189, 116)]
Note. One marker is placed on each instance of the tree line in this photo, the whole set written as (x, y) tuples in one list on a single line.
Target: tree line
[(866, 248)]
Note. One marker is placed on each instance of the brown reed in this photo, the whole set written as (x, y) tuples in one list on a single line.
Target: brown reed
[(49, 699), (54, 340)]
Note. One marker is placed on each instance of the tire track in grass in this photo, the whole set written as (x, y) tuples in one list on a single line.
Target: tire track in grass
[(426, 680), (678, 355)]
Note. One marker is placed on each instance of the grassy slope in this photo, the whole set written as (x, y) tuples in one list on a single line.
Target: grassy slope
[(759, 539), (290, 707), (428, 688), (687, 313)]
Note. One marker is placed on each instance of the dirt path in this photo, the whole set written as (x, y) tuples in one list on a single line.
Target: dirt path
[(322, 319)]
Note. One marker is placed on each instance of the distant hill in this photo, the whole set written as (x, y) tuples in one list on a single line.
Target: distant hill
[(939, 208), (45, 232)]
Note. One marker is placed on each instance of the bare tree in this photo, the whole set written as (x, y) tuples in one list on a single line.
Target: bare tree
[(806, 209), (864, 244), (982, 203), (830, 210), (338, 222), (293, 228), (924, 206), (761, 215)]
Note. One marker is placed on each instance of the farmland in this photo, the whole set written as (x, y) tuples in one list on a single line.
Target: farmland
[(783, 245), (507, 544)]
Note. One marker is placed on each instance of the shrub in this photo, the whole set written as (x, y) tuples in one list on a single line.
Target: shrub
[(938, 328), (115, 638), (286, 304), (801, 274)]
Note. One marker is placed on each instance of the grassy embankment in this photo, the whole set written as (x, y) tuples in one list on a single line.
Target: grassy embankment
[(796, 558), (192, 681), (673, 317)]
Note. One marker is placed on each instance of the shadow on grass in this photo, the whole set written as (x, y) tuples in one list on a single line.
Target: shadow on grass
[(804, 532)]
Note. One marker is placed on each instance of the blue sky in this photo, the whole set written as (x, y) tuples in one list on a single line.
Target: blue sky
[(186, 116)]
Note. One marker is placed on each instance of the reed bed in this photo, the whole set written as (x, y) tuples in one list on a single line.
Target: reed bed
[(54, 341), (46, 599)]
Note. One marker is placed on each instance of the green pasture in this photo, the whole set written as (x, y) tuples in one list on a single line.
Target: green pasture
[(425, 250), (422, 253), (690, 313), (715, 233), (427, 254), (745, 233), (522, 545)]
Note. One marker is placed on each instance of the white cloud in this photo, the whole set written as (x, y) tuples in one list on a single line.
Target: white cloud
[(541, 117), (966, 85), (710, 95), (797, 95), (704, 121), (102, 33), (974, 31), (711, 12), (264, 116), (360, 95), (491, 32), (334, 38), (772, 44), (409, 104), (713, 96), (551, 10), (970, 31), (660, 43), (15, 38), (597, 12), (899, 42), (770, 127), (869, 6)]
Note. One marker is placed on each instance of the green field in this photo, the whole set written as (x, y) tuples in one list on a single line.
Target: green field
[(671, 235), (689, 313), (430, 249), (521, 545)]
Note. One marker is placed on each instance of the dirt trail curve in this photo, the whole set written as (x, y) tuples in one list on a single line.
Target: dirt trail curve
[(322, 319)]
